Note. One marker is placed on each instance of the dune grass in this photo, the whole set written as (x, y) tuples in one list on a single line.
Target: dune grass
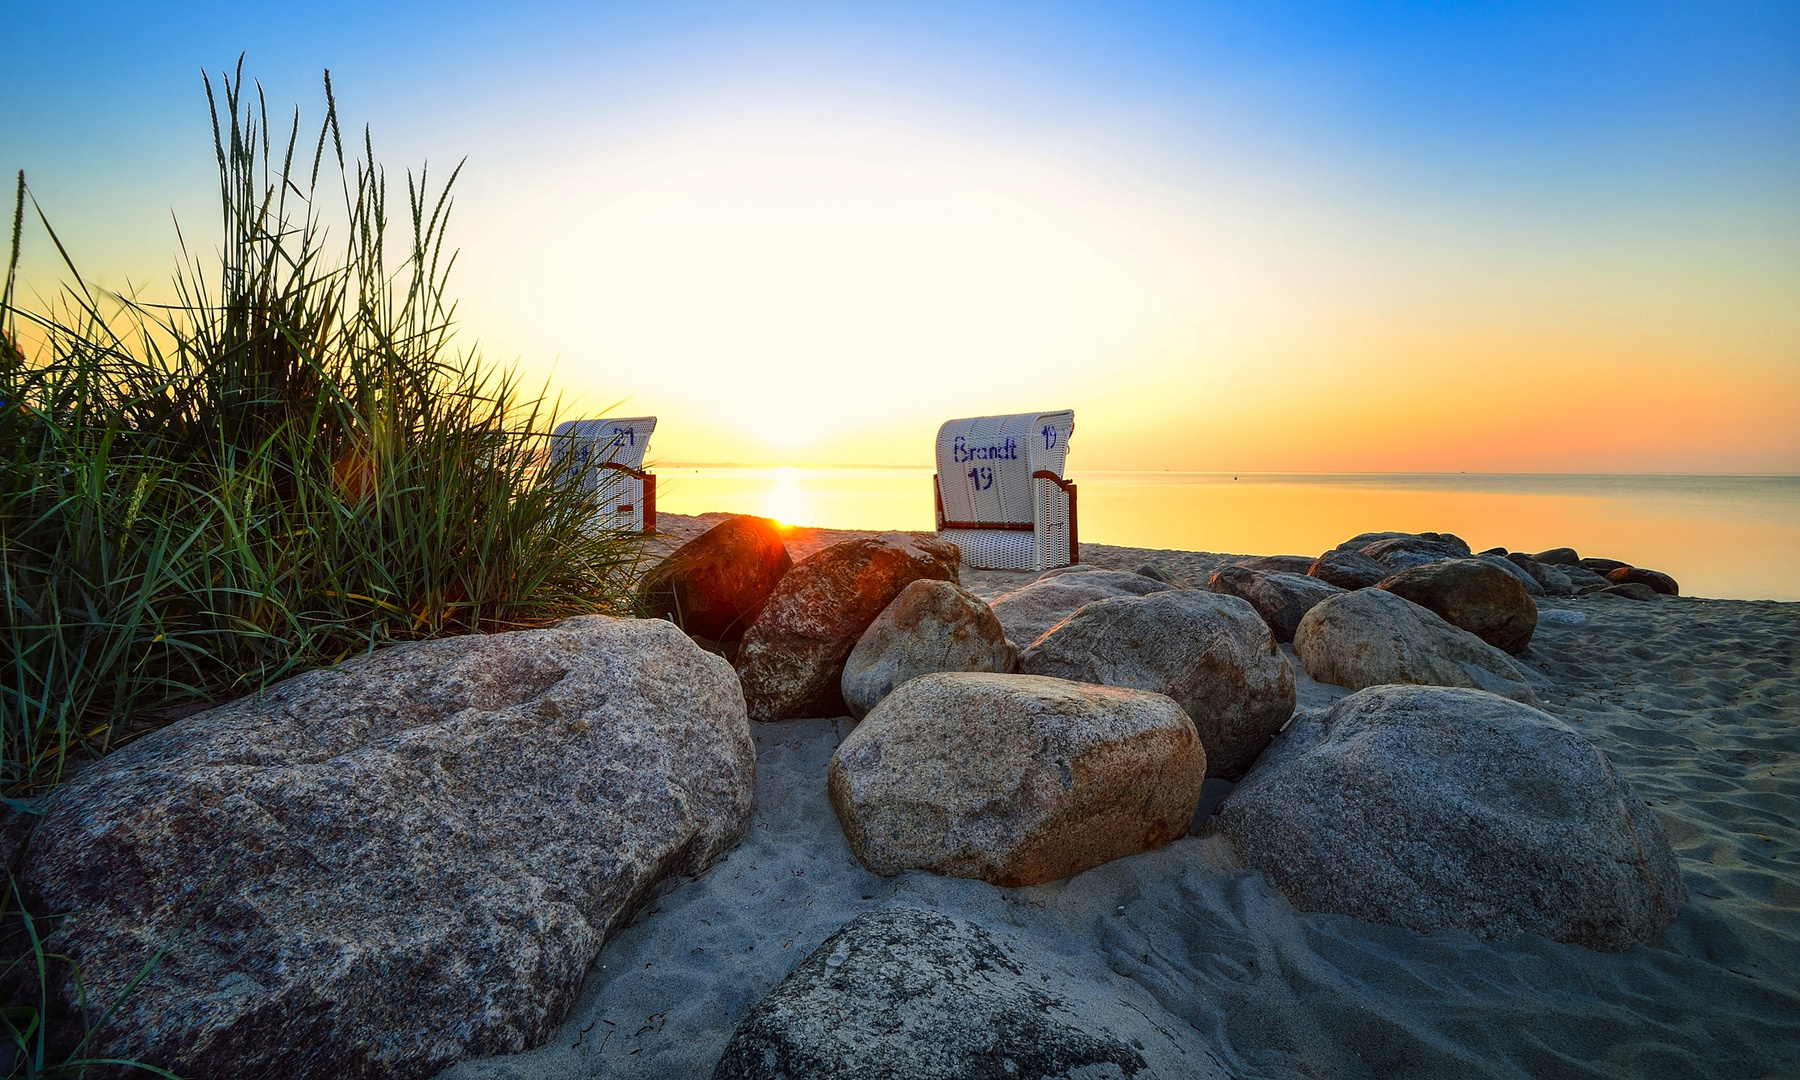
[(287, 465)]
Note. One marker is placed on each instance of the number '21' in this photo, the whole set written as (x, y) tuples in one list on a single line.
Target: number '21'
[(982, 477)]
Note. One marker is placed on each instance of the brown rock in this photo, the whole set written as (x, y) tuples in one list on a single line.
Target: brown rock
[(1475, 595), (1604, 567), (1637, 575), (715, 585), (1631, 590), (1348, 569), (380, 868), (1014, 779), (792, 658), (1561, 556), (1281, 599)]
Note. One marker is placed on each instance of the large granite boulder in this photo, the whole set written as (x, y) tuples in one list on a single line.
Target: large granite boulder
[(792, 658), (1406, 552), (1476, 595), (1014, 779), (1362, 541), (1213, 654), (1027, 612), (716, 584), (1348, 569), (379, 868), (931, 626), (1280, 598), (1276, 564), (1371, 636), (914, 994), (1434, 809), (1654, 580)]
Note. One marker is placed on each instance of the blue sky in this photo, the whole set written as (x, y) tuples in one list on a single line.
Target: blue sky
[(1273, 190)]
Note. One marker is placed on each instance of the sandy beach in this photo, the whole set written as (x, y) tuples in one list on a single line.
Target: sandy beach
[(1696, 701)]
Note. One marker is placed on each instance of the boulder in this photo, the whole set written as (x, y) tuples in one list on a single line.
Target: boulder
[(1557, 583), (379, 868), (1406, 552), (1439, 809), (931, 626), (792, 658), (1604, 567), (1559, 557), (715, 585), (921, 995), (1631, 590), (1213, 654), (1476, 595), (1500, 551), (1363, 540), (1276, 564), (1027, 612), (1580, 577), (1637, 575), (1348, 569), (1281, 599), (1014, 779), (1524, 576), (1371, 636)]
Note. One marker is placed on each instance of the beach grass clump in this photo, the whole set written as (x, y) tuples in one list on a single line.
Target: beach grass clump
[(287, 464)]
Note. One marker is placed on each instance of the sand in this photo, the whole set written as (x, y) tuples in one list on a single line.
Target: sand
[(1697, 701)]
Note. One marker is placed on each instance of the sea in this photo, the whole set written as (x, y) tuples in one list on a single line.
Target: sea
[(1730, 537)]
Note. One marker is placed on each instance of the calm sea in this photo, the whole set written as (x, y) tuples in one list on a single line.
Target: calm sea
[(1721, 536)]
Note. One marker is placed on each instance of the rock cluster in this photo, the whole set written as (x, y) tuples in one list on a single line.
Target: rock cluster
[(792, 658)]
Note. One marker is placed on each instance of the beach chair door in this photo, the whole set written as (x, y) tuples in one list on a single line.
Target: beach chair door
[(610, 456), (990, 501)]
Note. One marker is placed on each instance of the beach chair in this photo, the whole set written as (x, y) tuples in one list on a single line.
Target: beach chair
[(1001, 496), (610, 454)]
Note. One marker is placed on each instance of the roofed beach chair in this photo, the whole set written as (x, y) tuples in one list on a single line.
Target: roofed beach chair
[(611, 455), (1001, 496)]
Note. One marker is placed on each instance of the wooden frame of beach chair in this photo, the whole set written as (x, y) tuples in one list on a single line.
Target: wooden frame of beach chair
[(1000, 492), (627, 497)]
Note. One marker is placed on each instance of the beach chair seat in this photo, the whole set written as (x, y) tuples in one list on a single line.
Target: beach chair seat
[(1000, 492), (609, 454)]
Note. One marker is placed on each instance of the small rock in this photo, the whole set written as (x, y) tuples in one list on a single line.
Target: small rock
[(1631, 590), (1372, 636), (1561, 617), (1348, 569), (1154, 573), (1014, 779), (1500, 551), (792, 658), (1026, 613), (1213, 654), (931, 626), (1476, 595), (1559, 557), (382, 867), (921, 995), (1435, 809), (1637, 575), (1280, 598), (1555, 582), (716, 584)]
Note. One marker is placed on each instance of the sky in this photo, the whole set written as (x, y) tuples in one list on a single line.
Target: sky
[(1232, 237)]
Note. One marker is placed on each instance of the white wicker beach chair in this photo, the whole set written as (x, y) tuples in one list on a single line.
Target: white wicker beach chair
[(1001, 496), (610, 453)]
